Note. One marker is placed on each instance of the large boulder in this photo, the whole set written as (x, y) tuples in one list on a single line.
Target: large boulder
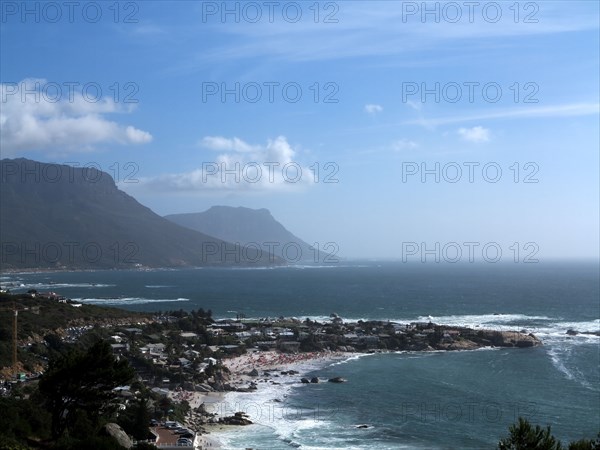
[(239, 418), (462, 344), (337, 380), (117, 433)]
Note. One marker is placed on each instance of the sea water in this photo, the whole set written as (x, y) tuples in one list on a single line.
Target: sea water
[(426, 400)]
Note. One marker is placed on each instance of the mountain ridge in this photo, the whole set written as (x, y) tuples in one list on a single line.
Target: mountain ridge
[(63, 217), (250, 227)]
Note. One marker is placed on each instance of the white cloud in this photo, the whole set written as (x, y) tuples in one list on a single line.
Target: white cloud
[(476, 134), (241, 167), (373, 109), (404, 144), (42, 120), (220, 143)]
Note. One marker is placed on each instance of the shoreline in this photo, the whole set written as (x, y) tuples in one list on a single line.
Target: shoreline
[(269, 381)]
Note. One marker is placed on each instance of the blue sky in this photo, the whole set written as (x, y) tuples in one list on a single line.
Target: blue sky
[(517, 86)]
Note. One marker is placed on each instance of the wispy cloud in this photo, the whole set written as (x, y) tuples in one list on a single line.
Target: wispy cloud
[(572, 109), (366, 30)]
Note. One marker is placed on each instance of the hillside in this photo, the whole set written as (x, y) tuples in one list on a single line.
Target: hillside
[(57, 216), (254, 227)]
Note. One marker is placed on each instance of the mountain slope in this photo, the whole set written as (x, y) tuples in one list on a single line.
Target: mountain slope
[(59, 216), (252, 228)]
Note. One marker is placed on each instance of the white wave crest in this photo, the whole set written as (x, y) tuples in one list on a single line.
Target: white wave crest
[(124, 301)]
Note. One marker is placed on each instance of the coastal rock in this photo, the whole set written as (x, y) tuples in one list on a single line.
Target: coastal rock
[(253, 373), (304, 380), (239, 418), (591, 333), (314, 380), (506, 339), (337, 380), (463, 344), (572, 332), (117, 433)]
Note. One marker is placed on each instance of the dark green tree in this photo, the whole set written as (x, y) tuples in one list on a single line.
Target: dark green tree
[(524, 436), (83, 382), (136, 418), (585, 444)]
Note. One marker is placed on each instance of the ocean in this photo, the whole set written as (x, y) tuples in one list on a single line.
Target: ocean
[(434, 400)]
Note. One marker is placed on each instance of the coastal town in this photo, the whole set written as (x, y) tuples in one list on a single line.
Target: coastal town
[(185, 361)]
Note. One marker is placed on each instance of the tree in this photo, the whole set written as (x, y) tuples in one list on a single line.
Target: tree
[(523, 436), (83, 382), (585, 444), (136, 418)]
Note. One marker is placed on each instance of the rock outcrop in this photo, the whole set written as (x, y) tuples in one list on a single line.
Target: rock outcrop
[(117, 433), (337, 380), (239, 418)]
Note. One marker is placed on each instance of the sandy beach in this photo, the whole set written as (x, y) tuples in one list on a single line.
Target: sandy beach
[(272, 360)]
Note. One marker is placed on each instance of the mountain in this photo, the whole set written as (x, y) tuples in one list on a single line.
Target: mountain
[(58, 216), (253, 228)]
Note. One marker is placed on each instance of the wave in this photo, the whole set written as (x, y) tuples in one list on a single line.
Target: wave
[(561, 358), (478, 320), (352, 358), (38, 286), (278, 420), (124, 301)]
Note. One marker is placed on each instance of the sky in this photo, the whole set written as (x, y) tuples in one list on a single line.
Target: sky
[(407, 130)]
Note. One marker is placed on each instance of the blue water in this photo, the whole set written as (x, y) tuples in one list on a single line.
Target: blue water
[(458, 400)]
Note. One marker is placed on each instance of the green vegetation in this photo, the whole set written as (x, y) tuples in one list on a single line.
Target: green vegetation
[(79, 387), (524, 436), (72, 402)]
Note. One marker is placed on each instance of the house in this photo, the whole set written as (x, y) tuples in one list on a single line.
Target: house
[(229, 326), (133, 330), (286, 335), (187, 335)]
